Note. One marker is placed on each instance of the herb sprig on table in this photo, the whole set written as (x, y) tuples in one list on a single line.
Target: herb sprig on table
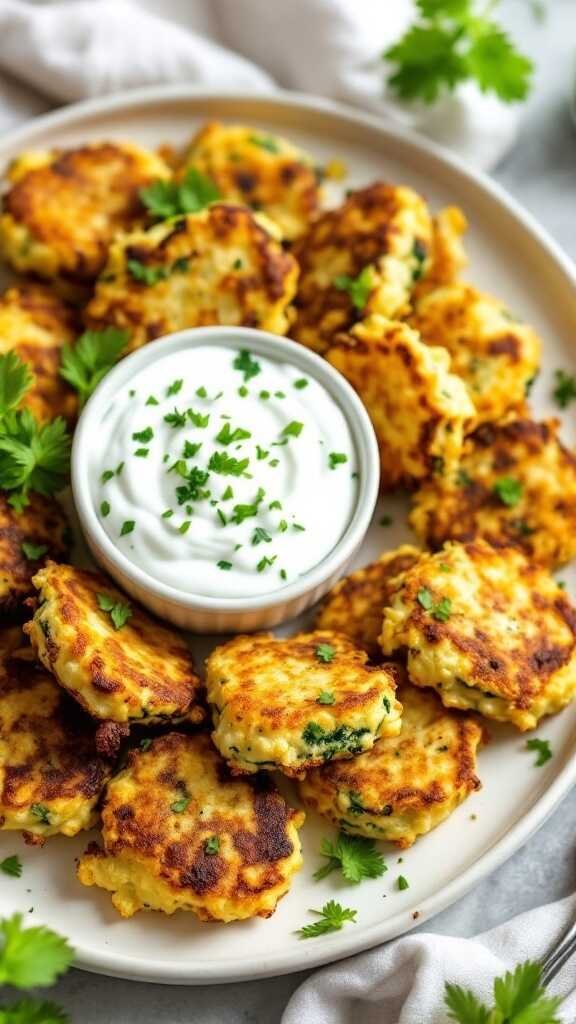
[(519, 998), (31, 958)]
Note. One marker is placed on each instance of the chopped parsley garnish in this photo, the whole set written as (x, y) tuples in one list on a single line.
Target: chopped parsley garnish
[(261, 536), (143, 435), (246, 365), (358, 288), (41, 812), (191, 449), (168, 513), (176, 418), (336, 459), (324, 697), (33, 551), (265, 562), (402, 883), (227, 436), (222, 564), (228, 465), (519, 997), (147, 275), (283, 574), (265, 395), (440, 610), (228, 493), (201, 392), (293, 429), (105, 509), (508, 490), (118, 612), (267, 142), (279, 394), (242, 512), (185, 526), (197, 419), (565, 389), (243, 391), (283, 526), (106, 475), (275, 504), (181, 804), (273, 463), (542, 747), (142, 453), (127, 527), (355, 856), (237, 265), (299, 527), (151, 400), (221, 516), (11, 866), (212, 845), (261, 453), (93, 355), (164, 199), (332, 918), (174, 388), (325, 653), (146, 743), (302, 382)]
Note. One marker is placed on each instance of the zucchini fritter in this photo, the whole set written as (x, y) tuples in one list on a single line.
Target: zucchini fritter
[(40, 530), (418, 408), (496, 356), (380, 239), (50, 774), (405, 786), (219, 266), (260, 170), (64, 207), (180, 834), (487, 630), (142, 672), (355, 605), (35, 324), (293, 703), (516, 484)]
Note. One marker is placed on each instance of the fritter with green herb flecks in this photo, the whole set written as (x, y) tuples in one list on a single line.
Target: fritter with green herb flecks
[(27, 539), (181, 834), (418, 408), (355, 606), (219, 266), (516, 484), (407, 784), (496, 356), (51, 776), (266, 172), (64, 207), (121, 665), (486, 629), (290, 704), (364, 257)]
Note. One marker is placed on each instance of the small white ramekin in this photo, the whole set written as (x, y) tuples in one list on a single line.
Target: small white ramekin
[(199, 613)]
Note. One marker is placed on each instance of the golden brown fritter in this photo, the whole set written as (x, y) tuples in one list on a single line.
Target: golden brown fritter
[(447, 254), (496, 356), (263, 171), (293, 703), (488, 630), (516, 484), (27, 539), (180, 834), (50, 774), (355, 605), (406, 785), (35, 324), (419, 409), (141, 672), (64, 207), (379, 238), (219, 266)]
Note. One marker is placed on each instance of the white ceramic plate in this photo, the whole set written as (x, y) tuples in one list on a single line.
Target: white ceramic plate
[(509, 254)]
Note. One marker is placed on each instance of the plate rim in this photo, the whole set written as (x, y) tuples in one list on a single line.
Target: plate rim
[(348, 942)]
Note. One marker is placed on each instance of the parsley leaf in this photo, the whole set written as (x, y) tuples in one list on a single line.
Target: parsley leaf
[(518, 996), (358, 288), (247, 366), (180, 805), (464, 1007), (508, 490), (355, 856), (228, 465), (41, 812), (165, 199), (325, 653), (33, 456), (565, 389), (119, 613), (11, 866), (336, 459), (325, 697), (543, 750), (402, 883), (332, 918), (33, 1011), (440, 610), (227, 436), (261, 536), (33, 551), (498, 66), (16, 379), (293, 429), (93, 355), (212, 845), (31, 956)]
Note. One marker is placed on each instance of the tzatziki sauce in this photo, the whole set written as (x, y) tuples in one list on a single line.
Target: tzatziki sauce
[(223, 473)]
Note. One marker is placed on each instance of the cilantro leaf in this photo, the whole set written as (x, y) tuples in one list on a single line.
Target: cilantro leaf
[(332, 918), (33, 1011), (16, 379), (31, 956), (11, 866), (542, 747), (164, 199), (119, 612), (355, 856), (358, 288), (93, 355), (33, 456)]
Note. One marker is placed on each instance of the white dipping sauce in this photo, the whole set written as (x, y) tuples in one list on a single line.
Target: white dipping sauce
[(201, 507)]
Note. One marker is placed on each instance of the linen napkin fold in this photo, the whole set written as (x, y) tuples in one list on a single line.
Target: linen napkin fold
[(403, 981), (66, 51)]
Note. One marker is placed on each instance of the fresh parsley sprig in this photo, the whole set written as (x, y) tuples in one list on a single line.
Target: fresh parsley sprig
[(31, 957), (332, 918), (519, 998), (453, 41), (355, 856), (165, 199), (16, 379), (93, 355)]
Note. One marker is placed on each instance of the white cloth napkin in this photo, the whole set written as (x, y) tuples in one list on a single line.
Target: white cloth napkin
[(64, 51), (403, 982)]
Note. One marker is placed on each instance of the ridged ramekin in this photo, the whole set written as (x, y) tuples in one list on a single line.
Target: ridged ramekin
[(200, 613)]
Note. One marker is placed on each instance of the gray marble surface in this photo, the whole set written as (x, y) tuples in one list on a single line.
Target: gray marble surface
[(541, 173)]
